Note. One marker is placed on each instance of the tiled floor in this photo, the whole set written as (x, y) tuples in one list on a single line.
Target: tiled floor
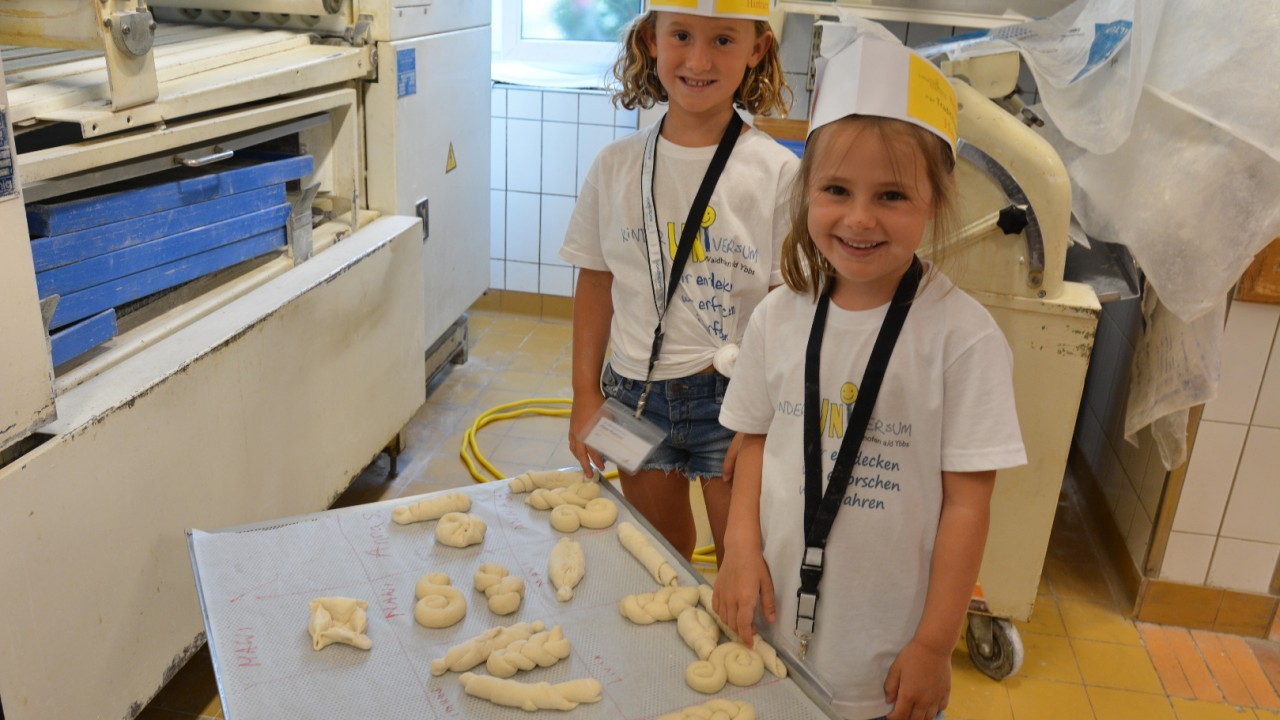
[(1084, 659)]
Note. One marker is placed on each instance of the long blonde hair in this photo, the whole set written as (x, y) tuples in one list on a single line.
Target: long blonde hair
[(804, 269), (763, 91)]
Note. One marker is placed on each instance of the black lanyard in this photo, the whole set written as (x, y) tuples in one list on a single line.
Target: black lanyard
[(819, 509), (687, 235)]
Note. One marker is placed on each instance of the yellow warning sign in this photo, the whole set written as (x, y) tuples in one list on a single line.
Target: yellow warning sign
[(452, 163)]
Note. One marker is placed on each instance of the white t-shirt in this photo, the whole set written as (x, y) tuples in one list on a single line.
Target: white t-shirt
[(946, 403), (735, 257)]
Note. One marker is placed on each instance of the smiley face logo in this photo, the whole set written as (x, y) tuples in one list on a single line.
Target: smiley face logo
[(848, 393), (708, 217)]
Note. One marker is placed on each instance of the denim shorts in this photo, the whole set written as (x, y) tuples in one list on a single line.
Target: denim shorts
[(688, 410)]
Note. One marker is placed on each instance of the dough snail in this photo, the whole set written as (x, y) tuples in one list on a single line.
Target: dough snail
[(767, 653), (579, 494), (598, 514), (663, 605), (566, 567), (533, 479), (543, 649), (459, 530), (504, 590), (339, 620), (471, 653), (439, 605), (732, 662), (529, 696), (431, 509), (639, 546), (717, 709)]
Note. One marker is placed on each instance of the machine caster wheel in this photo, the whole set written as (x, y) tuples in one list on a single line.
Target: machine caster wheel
[(995, 647)]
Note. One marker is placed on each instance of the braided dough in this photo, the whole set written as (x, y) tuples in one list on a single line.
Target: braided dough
[(504, 590), (543, 649), (767, 653), (639, 546), (339, 620), (578, 494), (471, 653), (540, 696), (699, 631), (717, 709), (598, 514), (440, 605), (431, 508), (459, 530), (666, 604), (566, 566), (732, 662), (526, 481)]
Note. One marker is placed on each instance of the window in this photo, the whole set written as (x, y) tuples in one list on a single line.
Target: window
[(564, 35)]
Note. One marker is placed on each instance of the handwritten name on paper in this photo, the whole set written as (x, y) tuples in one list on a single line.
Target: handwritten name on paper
[(380, 546), (246, 650)]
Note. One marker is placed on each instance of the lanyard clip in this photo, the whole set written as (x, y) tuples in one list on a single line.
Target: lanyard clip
[(807, 596), (644, 399)]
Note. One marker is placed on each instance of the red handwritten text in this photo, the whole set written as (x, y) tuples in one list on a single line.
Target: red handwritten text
[(246, 649)]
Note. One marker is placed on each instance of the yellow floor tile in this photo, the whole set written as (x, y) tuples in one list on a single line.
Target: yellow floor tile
[(497, 343), (1045, 618), (1049, 657), (1111, 704), (1266, 714), (1097, 621), (975, 696), (1046, 700), (538, 363), (515, 455), (1197, 710), (1122, 667), (539, 427), (512, 325)]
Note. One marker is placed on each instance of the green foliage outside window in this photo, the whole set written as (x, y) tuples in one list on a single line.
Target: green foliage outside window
[(594, 20)]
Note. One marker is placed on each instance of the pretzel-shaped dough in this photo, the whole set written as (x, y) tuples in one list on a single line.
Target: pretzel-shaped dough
[(526, 481), (339, 620), (731, 661), (566, 566), (526, 696), (598, 514), (459, 530), (699, 631), (578, 494), (767, 653), (439, 603), (543, 649), (471, 653), (639, 546), (504, 590), (665, 604), (717, 709), (431, 508)]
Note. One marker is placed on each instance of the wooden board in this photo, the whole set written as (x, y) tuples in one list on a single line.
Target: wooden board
[(1261, 281), (82, 337)]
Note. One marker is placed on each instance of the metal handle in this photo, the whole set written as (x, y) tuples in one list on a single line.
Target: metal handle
[(207, 159)]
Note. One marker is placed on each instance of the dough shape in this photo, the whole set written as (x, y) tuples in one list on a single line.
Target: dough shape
[(431, 508), (717, 709), (339, 620), (543, 649), (731, 661), (666, 604), (471, 653), (529, 696), (699, 631), (767, 653), (598, 514), (566, 566), (440, 605), (526, 481), (579, 493), (459, 530), (638, 545), (504, 590)]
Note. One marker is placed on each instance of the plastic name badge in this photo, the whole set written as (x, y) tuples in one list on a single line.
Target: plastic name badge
[(616, 433)]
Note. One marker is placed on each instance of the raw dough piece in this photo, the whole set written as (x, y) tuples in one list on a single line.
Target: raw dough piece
[(767, 653), (731, 661), (638, 545), (504, 590), (717, 709), (431, 508), (528, 696), (440, 605), (339, 620), (459, 530), (598, 514), (699, 631), (526, 481), (471, 653), (666, 604), (576, 494), (566, 567), (543, 649)]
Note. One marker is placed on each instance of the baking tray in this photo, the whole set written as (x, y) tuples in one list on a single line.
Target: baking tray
[(255, 582)]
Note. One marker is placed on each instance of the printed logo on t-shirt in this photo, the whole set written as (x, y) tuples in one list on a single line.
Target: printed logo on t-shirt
[(708, 281)]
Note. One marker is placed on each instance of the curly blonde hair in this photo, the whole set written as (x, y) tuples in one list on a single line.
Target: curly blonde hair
[(763, 91), (804, 269)]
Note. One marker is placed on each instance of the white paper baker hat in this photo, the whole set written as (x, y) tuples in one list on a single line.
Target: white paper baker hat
[(738, 9), (873, 75)]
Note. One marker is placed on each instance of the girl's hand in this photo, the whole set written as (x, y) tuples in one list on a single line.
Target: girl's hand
[(731, 457), (919, 683), (585, 406), (744, 578)]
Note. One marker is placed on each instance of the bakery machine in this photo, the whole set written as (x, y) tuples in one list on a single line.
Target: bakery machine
[(216, 387)]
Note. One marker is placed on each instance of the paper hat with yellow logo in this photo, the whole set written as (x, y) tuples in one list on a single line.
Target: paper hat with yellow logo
[(737, 9), (875, 76)]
